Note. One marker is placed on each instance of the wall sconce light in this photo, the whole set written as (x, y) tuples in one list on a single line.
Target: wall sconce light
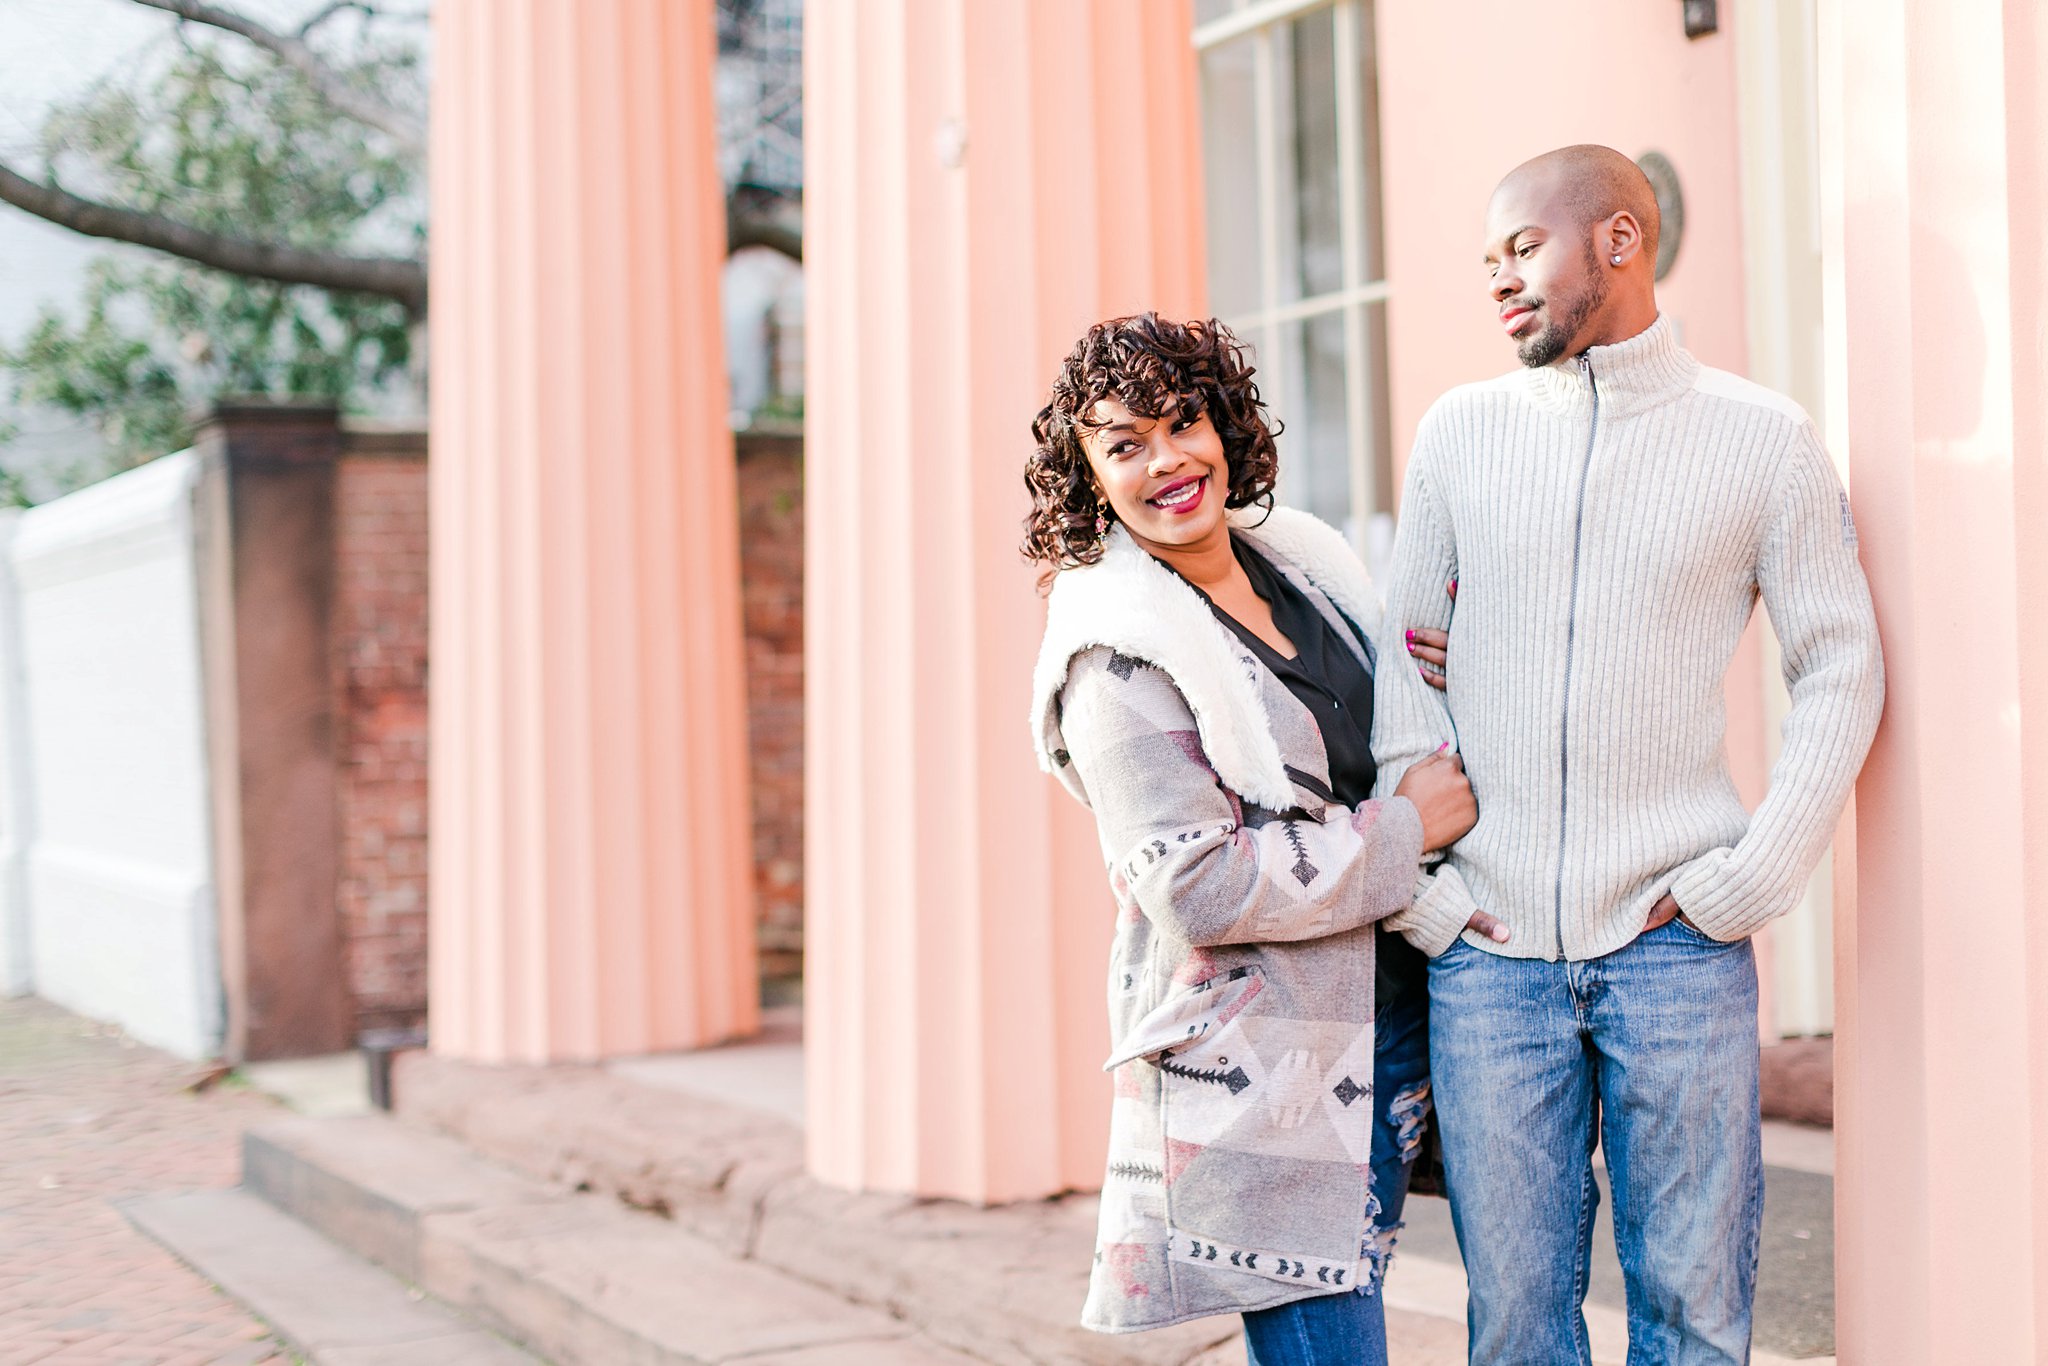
[(1701, 18)]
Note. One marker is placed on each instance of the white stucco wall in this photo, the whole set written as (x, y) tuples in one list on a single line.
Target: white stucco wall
[(120, 885), (16, 968)]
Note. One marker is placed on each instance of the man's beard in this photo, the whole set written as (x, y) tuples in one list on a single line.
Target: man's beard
[(1550, 343)]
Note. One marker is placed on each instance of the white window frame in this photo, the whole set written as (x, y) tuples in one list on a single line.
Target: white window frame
[(1257, 21)]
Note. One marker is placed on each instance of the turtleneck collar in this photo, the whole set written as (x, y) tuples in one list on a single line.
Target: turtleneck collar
[(1634, 375)]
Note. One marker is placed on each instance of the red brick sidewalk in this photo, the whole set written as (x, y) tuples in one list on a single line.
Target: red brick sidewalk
[(88, 1118)]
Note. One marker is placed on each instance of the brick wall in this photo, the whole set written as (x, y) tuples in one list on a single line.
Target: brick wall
[(772, 584), (380, 655)]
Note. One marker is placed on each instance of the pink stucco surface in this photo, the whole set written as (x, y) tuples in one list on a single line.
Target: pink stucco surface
[(1933, 149), (589, 875), (984, 178), (1469, 91)]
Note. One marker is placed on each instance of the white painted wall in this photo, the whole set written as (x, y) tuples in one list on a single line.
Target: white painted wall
[(120, 888), (16, 967), (761, 290)]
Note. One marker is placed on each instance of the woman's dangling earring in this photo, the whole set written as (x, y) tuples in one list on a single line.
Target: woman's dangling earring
[(1101, 523)]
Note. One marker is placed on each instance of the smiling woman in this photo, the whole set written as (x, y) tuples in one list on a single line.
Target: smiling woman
[(1205, 689), (1180, 393)]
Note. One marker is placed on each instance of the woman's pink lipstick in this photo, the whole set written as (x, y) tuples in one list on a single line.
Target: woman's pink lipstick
[(1182, 509)]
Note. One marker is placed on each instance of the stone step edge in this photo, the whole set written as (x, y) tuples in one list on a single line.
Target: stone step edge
[(737, 1177), (573, 1276), (366, 1181), (584, 1128), (742, 1181), (328, 1305)]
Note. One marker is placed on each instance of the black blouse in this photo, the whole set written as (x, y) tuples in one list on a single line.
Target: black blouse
[(1324, 675), (1336, 686)]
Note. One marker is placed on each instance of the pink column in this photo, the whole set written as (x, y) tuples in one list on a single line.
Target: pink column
[(590, 888), (984, 178), (1934, 143)]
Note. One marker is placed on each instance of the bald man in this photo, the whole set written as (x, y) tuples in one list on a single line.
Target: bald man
[(1611, 512)]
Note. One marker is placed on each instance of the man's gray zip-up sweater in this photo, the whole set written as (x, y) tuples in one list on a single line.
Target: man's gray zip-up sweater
[(1611, 523)]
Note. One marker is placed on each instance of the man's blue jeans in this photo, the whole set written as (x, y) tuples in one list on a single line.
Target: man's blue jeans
[(1351, 1329), (1653, 1049)]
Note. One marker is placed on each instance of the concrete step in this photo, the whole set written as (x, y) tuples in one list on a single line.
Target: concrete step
[(580, 1279), (367, 1181), (1001, 1285), (592, 1284), (331, 1307)]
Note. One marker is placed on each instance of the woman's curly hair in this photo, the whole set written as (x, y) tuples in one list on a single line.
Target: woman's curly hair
[(1153, 367)]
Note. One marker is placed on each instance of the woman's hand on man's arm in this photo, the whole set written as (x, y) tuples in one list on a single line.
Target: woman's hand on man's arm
[(1430, 648)]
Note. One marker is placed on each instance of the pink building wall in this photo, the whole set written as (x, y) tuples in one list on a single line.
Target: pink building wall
[(1468, 91), (1936, 161), (984, 179)]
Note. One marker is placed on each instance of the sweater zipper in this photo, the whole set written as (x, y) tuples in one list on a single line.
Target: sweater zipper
[(1571, 625)]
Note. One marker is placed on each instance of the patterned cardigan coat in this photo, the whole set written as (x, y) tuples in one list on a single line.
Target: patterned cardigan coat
[(1240, 980)]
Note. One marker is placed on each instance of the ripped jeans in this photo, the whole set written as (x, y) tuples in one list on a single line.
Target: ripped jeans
[(1351, 1329)]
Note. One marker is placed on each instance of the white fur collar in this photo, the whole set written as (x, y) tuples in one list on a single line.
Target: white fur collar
[(1137, 606)]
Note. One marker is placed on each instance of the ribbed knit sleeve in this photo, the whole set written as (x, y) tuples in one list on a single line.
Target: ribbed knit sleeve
[(1410, 720), (1819, 603)]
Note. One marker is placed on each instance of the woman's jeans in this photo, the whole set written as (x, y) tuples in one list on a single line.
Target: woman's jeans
[(1350, 1329), (1652, 1049)]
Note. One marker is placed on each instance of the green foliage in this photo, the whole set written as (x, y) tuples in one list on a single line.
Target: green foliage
[(224, 138), (103, 371), (780, 412)]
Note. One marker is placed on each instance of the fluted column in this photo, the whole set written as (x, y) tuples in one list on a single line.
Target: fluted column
[(589, 889), (983, 179), (1933, 140)]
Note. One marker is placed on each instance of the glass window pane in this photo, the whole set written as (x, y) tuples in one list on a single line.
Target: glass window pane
[(1276, 149), (1230, 172), (1286, 134), (1313, 99), (1377, 423), (1315, 449), (1374, 261)]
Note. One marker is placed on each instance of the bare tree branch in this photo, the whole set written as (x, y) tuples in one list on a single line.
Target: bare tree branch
[(755, 217), (329, 10), (744, 230), (390, 277), (408, 130)]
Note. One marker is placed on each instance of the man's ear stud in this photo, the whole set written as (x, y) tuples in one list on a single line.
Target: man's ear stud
[(1616, 260)]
